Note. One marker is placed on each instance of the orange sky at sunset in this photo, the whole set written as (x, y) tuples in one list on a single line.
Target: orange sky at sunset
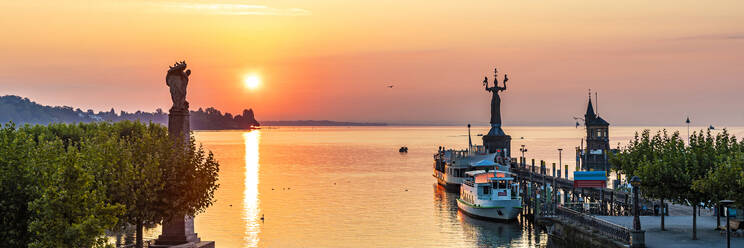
[(653, 62)]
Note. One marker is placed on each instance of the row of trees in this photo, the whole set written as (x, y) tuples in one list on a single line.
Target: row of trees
[(65, 185), (23, 110), (707, 169)]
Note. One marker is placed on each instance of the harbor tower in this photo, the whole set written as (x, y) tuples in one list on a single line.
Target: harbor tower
[(594, 156)]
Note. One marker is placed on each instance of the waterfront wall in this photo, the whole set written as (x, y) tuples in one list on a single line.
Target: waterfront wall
[(564, 234)]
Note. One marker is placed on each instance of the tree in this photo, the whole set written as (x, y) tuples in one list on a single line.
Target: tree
[(63, 185), (723, 181), (659, 161), (72, 208), (16, 186)]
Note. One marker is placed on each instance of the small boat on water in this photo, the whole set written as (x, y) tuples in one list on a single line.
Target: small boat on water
[(490, 195)]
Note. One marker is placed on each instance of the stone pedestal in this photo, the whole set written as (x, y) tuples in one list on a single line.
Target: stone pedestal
[(180, 230), (178, 124), (498, 143), (637, 239)]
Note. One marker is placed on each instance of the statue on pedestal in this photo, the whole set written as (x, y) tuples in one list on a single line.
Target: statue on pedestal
[(495, 102), (179, 229), (177, 79)]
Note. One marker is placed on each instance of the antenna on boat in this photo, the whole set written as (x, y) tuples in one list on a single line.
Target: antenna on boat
[(470, 140)]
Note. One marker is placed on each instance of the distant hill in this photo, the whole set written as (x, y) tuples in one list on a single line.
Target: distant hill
[(319, 123), (24, 111)]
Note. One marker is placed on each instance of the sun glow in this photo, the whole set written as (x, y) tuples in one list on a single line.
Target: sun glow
[(252, 81)]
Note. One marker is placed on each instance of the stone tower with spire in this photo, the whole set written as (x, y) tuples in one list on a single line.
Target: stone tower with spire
[(595, 155)]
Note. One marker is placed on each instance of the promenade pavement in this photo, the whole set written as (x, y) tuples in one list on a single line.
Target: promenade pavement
[(679, 231)]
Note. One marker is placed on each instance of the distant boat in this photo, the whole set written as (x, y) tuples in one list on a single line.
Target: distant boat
[(711, 127), (480, 134), (403, 149)]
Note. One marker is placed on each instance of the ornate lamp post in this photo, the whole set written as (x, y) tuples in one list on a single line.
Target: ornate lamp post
[(638, 238), (524, 160), (725, 204)]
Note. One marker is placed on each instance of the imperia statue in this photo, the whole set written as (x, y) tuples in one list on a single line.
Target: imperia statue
[(495, 99), (177, 79)]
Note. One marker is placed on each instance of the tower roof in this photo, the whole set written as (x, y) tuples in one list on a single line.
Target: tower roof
[(590, 110), (591, 118)]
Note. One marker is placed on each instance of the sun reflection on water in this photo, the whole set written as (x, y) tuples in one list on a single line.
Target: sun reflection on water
[(250, 195)]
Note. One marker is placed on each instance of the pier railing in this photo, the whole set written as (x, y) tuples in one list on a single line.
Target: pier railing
[(611, 230)]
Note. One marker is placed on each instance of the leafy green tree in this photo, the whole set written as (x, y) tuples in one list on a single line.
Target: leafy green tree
[(63, 185), (16, 186), (661, 176), (72, 209)]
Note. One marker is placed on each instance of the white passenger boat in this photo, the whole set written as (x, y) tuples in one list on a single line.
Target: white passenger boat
[(490, 195), (451, 165)]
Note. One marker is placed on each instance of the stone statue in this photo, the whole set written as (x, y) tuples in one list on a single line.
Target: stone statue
[(177, 79), (495, 99)]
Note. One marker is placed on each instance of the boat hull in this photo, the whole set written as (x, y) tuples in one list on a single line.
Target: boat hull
[(450, 183), (506, 210)]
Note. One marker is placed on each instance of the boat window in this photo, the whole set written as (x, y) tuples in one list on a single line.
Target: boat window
[(500, 184), (485, 190)]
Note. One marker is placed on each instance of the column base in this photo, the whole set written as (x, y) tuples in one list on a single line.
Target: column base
[(200, 244), (637, 239)]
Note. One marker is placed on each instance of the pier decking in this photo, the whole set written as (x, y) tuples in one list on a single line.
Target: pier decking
[(609, 201)]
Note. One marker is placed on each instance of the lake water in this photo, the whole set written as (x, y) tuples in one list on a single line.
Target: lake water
[(349, 187)]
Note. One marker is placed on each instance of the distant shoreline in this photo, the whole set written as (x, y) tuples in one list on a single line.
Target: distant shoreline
[(321, 123)]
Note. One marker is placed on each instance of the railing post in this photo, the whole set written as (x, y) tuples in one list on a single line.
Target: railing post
[(553, 191)]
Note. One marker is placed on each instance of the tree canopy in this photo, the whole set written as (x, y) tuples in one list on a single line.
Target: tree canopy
[(64, 185), (707, 169)]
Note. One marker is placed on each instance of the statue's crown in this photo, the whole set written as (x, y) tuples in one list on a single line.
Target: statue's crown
[(180, 66)]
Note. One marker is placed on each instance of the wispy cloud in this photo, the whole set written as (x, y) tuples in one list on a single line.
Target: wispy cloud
[(734, 36), (230, 9)]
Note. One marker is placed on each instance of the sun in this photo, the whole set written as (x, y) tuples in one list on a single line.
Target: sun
[(251, 81)]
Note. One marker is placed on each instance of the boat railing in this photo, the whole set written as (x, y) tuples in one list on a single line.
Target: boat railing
[(612, 230), (468, 182)]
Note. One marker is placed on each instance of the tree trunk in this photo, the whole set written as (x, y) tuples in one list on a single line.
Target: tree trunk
[(139, 240), (662, 214), (694, 221)]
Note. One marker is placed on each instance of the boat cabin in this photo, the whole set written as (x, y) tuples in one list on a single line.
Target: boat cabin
[(489, 185)]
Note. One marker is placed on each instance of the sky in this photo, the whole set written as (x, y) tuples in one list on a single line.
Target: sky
[(651, 62)]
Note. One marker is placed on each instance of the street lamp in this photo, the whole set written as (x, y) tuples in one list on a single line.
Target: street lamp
[(638, 238), (725, 204), (636, 182)]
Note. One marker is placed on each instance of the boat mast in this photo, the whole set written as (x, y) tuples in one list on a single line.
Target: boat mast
[(470, 140)]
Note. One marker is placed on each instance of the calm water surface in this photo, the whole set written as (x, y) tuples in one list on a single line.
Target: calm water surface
[(349, 187)]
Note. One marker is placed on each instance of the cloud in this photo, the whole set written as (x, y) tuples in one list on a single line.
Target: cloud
[(230, 9), (733, 36)]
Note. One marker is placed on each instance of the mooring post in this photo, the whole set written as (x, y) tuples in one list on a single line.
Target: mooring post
[(602, 201), (533, 166), (612, 203)]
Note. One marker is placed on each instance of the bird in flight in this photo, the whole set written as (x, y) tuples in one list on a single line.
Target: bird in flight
[(390, 86)]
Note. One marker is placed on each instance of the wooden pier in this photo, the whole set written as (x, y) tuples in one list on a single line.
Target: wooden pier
[(572, 218), (541, 189)]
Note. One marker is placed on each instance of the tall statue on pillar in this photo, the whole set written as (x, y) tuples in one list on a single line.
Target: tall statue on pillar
[(496, 140), (495, 102), (179, 230)]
